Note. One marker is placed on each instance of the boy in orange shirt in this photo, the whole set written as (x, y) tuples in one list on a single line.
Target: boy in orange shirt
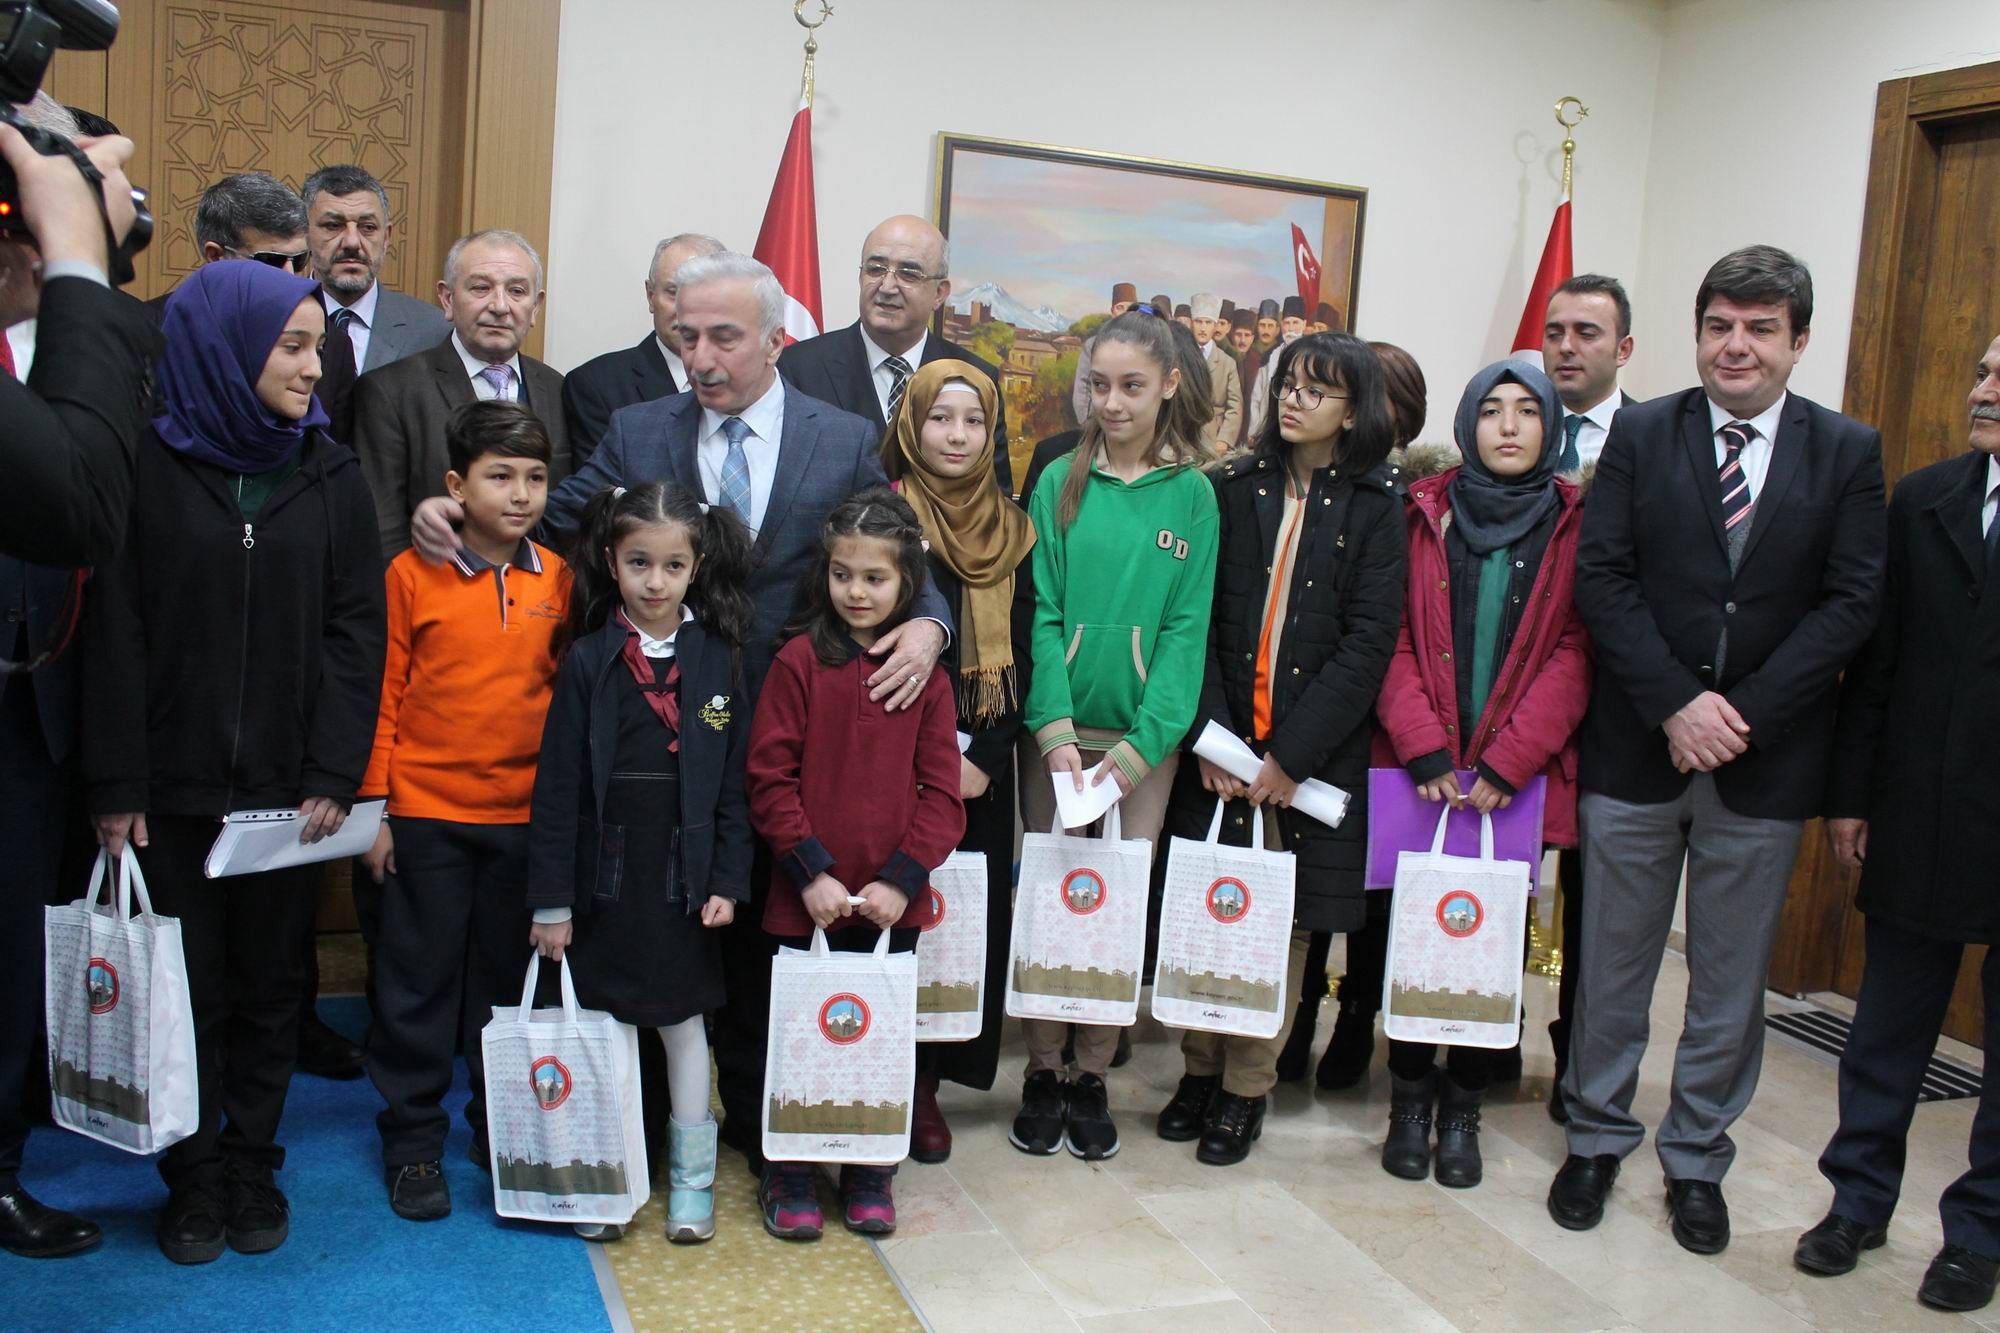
[(466, 686)]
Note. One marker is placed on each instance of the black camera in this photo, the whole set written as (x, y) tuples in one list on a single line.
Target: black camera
[(31, 31)]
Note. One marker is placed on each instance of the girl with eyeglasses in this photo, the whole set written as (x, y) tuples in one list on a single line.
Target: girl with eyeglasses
[(1308, 598)]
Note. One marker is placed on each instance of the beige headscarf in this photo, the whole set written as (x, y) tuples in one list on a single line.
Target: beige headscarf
[(979, 534)]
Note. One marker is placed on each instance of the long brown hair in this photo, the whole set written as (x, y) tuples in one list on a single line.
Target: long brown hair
[(875, 511), (1177, 432)]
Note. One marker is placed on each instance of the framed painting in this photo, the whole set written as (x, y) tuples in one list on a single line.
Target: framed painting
[(1047, 243)]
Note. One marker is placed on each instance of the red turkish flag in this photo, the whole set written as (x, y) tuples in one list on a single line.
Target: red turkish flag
[(1307, 268), (1555, 269), (788, 243)]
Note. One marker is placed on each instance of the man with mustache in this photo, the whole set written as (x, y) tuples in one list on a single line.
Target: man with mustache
[(1910, 803), (348, 230), (491, 293)]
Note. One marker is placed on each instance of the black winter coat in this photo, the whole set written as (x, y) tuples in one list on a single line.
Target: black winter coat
[(232, 665), (570, 853), (1919, 719), (1340, 628)]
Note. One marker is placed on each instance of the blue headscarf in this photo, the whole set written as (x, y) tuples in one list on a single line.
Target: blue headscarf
[(221, 324), (1498, 511)]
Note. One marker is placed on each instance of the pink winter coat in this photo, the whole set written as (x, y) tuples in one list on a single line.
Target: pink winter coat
[(1540, 690)]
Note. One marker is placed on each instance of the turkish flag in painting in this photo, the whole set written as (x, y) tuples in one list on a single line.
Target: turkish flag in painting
[(1308, 270)]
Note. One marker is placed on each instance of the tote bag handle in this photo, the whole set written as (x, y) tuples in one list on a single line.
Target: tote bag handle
[(131, 882), (1485, 834), (1111, 825), (569, 1004), (820, 949), (1256, 825)]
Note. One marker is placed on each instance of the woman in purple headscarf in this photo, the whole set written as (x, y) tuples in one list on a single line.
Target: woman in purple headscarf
[(233, 657)]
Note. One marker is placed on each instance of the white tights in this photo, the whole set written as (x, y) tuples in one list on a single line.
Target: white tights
[(687, 1070)]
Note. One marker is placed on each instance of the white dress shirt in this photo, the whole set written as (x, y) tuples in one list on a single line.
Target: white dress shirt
[(1756, 455), (674, 363), (766, 420), (21, 342), (885, 378), (1991, 509), (1596, 425), (362, 325), (482, 388)]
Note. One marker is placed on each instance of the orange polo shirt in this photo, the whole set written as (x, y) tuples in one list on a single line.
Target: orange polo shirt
[(466, 685)]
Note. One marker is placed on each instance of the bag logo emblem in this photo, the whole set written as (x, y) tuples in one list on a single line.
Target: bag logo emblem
[(1229, 901), (1460, 914), (843, 1019), (1083, 891), (100, 983), (551, 1081), (937, 909)]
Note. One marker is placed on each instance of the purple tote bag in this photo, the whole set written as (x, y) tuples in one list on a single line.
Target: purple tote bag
[(1399, 820)]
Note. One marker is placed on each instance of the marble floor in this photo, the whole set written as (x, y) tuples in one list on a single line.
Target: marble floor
[(1310, 1233)]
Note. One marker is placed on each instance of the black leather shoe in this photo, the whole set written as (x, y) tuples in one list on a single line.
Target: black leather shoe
[(260, 1217), (324, 1052), (1406, 1152), (1184, 1118), (1835, 1245), (1577, 1194), (34, 1230), (1959, 1279), (1349, 1051), (1236, 1124), (191, 1230), (1700, 1216), (418, 1191)]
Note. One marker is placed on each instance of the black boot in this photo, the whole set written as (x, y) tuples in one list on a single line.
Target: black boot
[(1186, 1117), (1407, 1150), (1458, 1164), (1237, 1123), (1297, 1052), (1349, 1051)]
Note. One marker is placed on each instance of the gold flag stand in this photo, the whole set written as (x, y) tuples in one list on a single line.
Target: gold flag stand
[(812, 27)]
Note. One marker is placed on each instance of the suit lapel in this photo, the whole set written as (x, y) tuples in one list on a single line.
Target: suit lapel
[(1787, 455), (1700, 442), (448, 373), (796, 442), (656, 380), (1957, 512), (858, 376), (683, 439)]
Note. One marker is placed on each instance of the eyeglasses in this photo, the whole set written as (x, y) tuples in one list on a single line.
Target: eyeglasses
[(907, 274), (1310, 396), (275, 258)]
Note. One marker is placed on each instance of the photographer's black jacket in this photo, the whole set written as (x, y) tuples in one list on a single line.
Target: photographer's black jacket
[(67, 436), (233, 665)]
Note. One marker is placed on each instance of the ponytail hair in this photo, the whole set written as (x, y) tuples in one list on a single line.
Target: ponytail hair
[(717, 595), (1183, 417), (875, 511)]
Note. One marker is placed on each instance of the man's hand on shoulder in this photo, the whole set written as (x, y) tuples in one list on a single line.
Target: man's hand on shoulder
[(912, 649)]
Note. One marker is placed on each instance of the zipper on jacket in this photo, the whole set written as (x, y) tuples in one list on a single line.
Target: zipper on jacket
[(242, 665)]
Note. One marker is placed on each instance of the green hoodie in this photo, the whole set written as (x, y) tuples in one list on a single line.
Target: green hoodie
[(1131, 626)]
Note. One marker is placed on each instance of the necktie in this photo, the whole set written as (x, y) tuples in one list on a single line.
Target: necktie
[(1572, 461), (1735, 484), (1993, 543), (500, 377), (736, 469), (336, 378), (901, 370)]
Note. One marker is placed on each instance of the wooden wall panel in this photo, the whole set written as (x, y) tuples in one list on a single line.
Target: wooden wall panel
[(510, 112)]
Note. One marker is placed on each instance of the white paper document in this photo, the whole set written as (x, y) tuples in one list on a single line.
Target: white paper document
[(1077, 808), (1316, 800), (253, 840)]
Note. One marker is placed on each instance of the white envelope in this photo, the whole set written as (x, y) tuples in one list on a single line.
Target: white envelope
[(1077, 808), (253, 840), (1315, 799)]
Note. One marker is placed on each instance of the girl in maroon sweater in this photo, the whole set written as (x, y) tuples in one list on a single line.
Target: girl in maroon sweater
[(858, 804)]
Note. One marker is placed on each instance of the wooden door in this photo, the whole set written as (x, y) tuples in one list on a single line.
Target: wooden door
[(1927, 304)]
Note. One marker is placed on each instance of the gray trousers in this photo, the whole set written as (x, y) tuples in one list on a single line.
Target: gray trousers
[(1737, 869)]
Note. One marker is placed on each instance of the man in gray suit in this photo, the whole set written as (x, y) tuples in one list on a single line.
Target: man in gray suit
[(348, 228)]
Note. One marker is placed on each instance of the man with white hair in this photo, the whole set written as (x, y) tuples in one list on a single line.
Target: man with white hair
[(653, 369), (1205, 309)]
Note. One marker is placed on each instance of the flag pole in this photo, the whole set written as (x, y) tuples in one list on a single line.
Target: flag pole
[(812, 27), (1569, 128)]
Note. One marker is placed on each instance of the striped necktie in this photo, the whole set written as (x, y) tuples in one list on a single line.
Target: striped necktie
[(1733, 481), (736, 468), (901, 370)]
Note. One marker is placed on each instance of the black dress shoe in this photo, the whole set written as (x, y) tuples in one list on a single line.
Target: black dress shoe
[(324, 1052), (34, 1230), (418, 1192), (1835, 1245), (1185, 1118), (1577, 1194), (1959, 1279), (260, 1217), (1237, 1123), (1700, 1216), (191, 1230)]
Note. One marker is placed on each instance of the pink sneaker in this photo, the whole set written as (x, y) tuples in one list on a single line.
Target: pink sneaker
[(790, 1199), (866, 1197)]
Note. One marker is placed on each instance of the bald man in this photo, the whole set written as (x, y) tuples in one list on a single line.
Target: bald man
[(905, 278)]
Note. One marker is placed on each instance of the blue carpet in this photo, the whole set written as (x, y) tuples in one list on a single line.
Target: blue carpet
[(350, 1262)]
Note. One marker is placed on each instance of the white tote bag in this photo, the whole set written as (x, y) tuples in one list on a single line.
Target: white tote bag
[(1456, 926), (1225, 934), (842, 1060), (121, 1023), (951, 955), (562, 1110), (1079, 939)]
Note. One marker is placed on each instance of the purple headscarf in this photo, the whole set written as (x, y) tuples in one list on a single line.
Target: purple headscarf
[(221, 324)]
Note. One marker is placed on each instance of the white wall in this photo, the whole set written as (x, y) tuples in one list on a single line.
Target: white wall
[(671, 115), (1750, 147)]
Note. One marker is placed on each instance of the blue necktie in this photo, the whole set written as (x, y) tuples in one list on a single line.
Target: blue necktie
[(736, 469), (1572, 460)]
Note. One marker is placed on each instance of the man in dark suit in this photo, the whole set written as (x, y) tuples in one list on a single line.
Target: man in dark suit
[(1731, 565), (745, 438), (1909, 802), (905, 278), (348, 229), (653, 369), (491, 292), (251, 215)]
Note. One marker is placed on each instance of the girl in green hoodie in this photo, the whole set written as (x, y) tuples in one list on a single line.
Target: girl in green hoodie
[(1124, 564)]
